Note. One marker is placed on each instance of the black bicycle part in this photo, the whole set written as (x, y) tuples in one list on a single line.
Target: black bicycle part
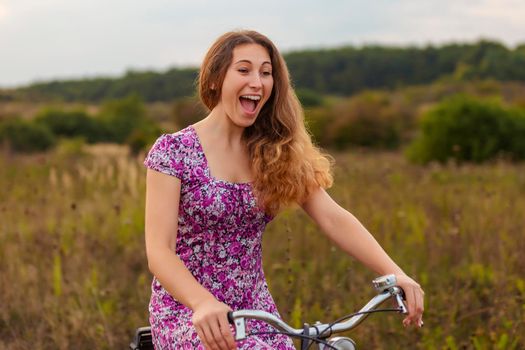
[(230, 317), (142, 339), (305, 344)]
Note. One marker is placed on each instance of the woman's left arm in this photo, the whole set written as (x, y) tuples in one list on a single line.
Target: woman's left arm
[(351, 236)]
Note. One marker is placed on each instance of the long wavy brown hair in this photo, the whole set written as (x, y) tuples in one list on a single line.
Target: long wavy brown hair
[(286, 164)]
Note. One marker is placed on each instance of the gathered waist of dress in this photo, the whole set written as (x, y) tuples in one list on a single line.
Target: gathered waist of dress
[(237, 291)]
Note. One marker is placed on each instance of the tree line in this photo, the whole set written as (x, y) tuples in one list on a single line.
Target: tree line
[(459, 127), (123, 121), (338, 71)]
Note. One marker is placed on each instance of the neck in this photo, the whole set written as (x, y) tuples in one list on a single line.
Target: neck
[(220, 128)]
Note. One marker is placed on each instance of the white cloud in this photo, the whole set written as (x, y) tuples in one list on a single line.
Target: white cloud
[(501, 10), (437, 21), (3, 11)]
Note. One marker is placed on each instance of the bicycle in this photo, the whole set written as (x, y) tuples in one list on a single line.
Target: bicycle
[(319, 334)]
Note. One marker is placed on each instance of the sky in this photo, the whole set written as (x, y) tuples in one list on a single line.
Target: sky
[(42, 40)]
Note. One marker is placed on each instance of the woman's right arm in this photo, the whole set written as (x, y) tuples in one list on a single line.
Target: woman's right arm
[(162, 211)]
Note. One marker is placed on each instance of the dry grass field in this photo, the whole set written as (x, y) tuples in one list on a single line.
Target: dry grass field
[(73, 272)]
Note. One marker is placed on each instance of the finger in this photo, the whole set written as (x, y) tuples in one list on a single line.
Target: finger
[(413, 313), (208, 335), (217, 336), (421, 295), (227, 333), (416, 316), (202, 338), (406, 320), (411, 304), (420, 307)]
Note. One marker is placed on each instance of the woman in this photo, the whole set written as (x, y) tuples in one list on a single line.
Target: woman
[(212, 188)]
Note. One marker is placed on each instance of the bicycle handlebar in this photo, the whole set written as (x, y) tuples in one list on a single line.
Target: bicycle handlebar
[(385, 285)]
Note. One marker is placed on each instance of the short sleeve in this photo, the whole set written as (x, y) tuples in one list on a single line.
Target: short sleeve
[(166, 156)]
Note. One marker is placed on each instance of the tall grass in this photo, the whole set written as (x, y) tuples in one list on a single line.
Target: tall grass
[(73, 271)]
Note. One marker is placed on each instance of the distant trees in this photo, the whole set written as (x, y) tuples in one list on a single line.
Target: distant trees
[(347, 70), (459, 127), (341, 71), (151, 86), (369, 97), (309, 98)]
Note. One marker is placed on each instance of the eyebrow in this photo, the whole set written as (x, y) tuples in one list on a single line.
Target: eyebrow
[(248, 61)]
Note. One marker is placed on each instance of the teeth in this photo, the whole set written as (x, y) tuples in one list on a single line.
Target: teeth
[(252, 97)]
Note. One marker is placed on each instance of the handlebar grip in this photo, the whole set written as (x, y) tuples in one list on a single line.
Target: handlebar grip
[(230, 317)]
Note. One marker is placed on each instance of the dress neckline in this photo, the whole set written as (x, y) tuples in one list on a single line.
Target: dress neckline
[(207, 167)]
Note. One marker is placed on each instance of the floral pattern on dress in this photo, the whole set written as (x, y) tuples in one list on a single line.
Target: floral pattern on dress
[(219, 236)]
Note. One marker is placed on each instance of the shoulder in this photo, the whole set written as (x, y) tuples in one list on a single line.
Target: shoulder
[(179, 140), (169, 153)]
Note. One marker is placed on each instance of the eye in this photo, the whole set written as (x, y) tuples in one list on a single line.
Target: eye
[(242, 70), (267, 73)]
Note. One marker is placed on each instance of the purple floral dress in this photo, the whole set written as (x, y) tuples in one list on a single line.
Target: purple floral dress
[(219, 237)]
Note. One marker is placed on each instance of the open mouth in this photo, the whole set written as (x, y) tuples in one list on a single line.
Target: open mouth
[(250, 102)]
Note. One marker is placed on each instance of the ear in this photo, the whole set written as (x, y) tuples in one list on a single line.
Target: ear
[(212, 86)]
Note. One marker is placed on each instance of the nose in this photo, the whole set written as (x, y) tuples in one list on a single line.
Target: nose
[(255, 81)]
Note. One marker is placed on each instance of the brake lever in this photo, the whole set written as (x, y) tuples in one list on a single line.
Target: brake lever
[(388, 283), (400, 298)]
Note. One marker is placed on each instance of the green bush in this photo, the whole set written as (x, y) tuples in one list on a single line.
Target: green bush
[(309, 98), (370, 120), (23, 136), (517, 139), (139, 139), (188, 111), (122, 118), (464, 128), (72, 124), (318, 121)]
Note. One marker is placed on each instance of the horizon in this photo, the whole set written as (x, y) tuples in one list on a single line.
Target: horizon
[(58, 40), (161, 70)]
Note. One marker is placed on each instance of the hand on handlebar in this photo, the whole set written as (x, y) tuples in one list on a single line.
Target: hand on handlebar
[(211, 323), (414, 299)]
